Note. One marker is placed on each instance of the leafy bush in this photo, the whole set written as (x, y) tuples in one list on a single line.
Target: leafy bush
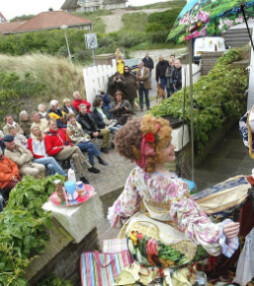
[(218, 98), (23, 232), (165, 18)]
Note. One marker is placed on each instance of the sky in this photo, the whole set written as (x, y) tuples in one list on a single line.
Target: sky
[(13, 8)]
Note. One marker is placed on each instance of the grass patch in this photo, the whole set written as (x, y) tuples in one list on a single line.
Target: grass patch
[(161, 5)]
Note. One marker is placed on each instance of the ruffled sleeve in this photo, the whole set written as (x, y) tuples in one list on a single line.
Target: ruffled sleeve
[(126, 204), (192, 220)]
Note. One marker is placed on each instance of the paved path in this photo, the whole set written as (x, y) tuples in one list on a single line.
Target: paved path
[(229, 158)]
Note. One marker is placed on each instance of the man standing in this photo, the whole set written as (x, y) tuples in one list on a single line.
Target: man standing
[(91, 128), (148, 63), (143, 85), (55, 144), (115, 82), (169, 76), (177, 76), (161, 68), (78, 100), (23, 158), (130, 89)]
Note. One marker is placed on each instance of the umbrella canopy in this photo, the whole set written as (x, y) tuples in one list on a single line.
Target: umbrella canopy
[(208, 18)]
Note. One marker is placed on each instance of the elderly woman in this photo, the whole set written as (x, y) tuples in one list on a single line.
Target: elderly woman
[(101, 119), (42, 110), (25, 122), (82, 140), (121, 108), (67, 107), (18, 138), (176, 230), (37, 147)]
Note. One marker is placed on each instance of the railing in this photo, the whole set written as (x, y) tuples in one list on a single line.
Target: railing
[(96, 79)]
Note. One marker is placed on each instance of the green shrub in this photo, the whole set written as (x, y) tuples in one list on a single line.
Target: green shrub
[(217, 97), (154, 27)]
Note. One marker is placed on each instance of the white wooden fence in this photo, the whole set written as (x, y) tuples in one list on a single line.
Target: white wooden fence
[(96, 79), (186, 73)]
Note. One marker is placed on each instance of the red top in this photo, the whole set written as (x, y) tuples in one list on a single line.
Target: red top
[(55, 141), (76, 103)]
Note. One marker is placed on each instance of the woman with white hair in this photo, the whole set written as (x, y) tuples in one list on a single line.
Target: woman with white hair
[(25, 122), (42, 110), (57, 114)]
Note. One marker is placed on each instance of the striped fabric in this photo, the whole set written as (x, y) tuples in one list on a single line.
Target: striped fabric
[(100, 269), (114, 245)]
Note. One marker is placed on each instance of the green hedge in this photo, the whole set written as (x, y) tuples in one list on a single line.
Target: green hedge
[(218, 98), (23, 232)]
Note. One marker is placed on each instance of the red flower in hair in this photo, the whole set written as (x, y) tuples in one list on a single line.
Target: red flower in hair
[(150, 137)]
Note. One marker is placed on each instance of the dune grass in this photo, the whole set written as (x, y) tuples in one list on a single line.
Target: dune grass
[(44, 77)]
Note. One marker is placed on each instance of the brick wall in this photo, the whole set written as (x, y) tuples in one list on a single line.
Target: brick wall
[(66, 264)]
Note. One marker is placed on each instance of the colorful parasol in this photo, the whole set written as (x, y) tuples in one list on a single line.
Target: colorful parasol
[(201, 18)]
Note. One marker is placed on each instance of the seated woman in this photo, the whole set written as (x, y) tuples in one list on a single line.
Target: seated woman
[(68, 108), (25, 122), (11, 123), (106, 100), (121, 108), (37, 147), (172, 230), (18, 138), (9, 175), (78, 137), (101, 119), (57, 114), (42, 110)]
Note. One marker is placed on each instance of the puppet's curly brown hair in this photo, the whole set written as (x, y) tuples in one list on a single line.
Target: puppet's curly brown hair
[(128, 138)]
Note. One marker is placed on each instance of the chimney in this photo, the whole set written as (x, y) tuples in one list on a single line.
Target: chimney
[(51, 10)]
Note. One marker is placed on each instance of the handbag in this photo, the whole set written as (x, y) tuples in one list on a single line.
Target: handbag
[(114, 245), (101, 269)]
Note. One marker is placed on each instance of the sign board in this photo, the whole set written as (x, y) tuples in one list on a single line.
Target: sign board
[(91, 41)]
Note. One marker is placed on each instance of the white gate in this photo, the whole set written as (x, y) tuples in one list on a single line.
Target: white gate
[(195, 74), (96, 79)]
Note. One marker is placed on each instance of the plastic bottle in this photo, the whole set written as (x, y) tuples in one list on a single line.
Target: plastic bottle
[(71, 175)]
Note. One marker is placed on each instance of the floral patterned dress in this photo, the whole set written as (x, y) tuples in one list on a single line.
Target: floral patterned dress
[(169, 194)]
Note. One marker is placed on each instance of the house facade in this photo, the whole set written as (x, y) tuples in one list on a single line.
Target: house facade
[(92, 5)]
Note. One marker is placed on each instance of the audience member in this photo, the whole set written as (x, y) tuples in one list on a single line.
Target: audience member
[(25, 122), (101, 119), (68, 108), (121, 108), (130, 90), (42, 123), (56, 145), (18, 138), (9, 175), (177, 76), (1, 135), (169, 76), (55, 112), (83, 141), (78, 100), (89, 127), (161, 68), (106, 100), (143, 85), (23, 158), (42, 110), (116, 82), (11, 123), (36, 145), (148, 63)]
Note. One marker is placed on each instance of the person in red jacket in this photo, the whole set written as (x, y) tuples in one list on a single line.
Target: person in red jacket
[(78, 100), (57, 146), (36, 146), (9, 175)]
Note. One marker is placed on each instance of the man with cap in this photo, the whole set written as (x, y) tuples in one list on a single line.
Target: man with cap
[(9, 175), (23, 158)]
